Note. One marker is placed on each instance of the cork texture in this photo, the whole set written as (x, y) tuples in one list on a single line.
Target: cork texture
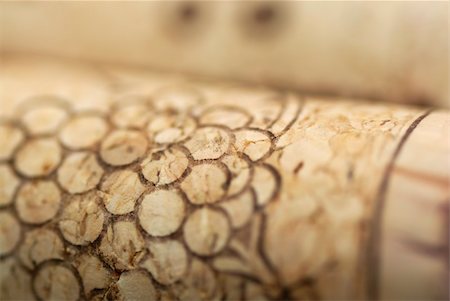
[(167, 188)]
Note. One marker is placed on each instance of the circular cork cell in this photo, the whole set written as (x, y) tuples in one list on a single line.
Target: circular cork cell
[(38, 201), (131, 116), (82, 219), (123, 147), (206, 184), (200, 283), (176, 99), (94, 275), (135, 285), (10, 138), (120, 191), (15, 281), (164, 167), (208, 143), (206, 231), (239, 208), (40, 245), (254, 144), (122, 247), (83, 131), (56, 282), (38, 157), (44, 120), (167, 261), (168, 128), (161, 212), (8, 185), (265, 184), (230, 117), (80, 172), (240, 171), (10, 232)]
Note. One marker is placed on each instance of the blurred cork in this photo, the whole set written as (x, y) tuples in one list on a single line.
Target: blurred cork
[(388, 51)]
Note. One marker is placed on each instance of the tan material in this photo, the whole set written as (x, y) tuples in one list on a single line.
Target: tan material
[(254, 144), (120, 191), (240, 171), (206, 184), (165, 167), (10, 138), (123, 147), (217, 191), (206, 231), (83, 132), (410, 248), (10, 230), (40, 245), (131, 115), (161, 212), (38, 201), (168, 128), (134, 285), (44, 120), (38, 157), (56, 282), (8, 184), (167, 261), (17, 287), (208, 143), (264, 184), (82, 219), (199, 283), (367, 49), (122, 247), (176, 98), (239, 208), (225, 116), (93, 273), (80, 172)]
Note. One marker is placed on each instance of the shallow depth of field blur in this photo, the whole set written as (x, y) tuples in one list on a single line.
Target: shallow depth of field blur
[(389, 51)]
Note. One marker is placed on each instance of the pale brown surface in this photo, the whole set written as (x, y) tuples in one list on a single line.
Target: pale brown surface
[(411, 248), (394, 51), (211, 191)]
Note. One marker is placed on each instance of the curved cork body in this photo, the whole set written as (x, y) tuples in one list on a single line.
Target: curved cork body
[(128, 185), (371, 49)]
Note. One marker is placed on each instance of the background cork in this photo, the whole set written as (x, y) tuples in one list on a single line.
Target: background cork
[(394, 51)]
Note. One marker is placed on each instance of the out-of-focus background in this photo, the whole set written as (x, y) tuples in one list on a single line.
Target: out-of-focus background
[(390, 51)]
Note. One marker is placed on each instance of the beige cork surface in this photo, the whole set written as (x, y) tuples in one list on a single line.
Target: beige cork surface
[(391, 51), (165, 188)]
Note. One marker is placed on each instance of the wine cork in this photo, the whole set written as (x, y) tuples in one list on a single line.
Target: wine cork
[(371, 49), (165, 187)]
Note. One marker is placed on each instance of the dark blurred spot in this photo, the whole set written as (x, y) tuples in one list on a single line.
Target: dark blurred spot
[(263, 20), (188, 12), (298, 167), (308, 281), (185, 21), (264, 14), (350, 174), (157, 156)]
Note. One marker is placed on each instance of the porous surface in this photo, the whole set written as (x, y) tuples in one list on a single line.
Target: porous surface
[(173, 189)]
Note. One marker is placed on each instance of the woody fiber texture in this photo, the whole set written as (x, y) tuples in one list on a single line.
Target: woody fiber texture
[(128, 185)]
